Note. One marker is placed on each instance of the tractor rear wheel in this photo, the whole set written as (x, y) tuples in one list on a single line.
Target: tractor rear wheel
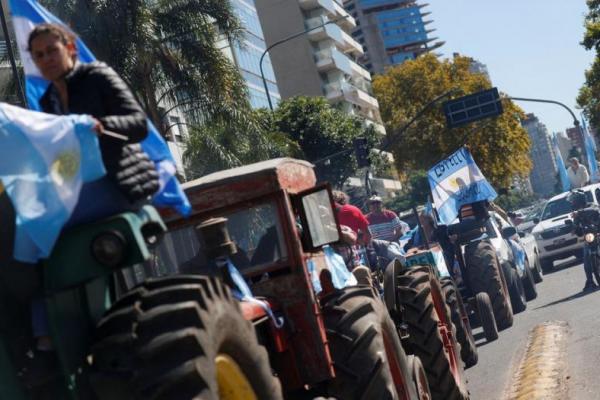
[(529, 283), (369, 360), (516, 290), (183, 337), (431, 333), (458, 314), (484, 274), (486, 316)]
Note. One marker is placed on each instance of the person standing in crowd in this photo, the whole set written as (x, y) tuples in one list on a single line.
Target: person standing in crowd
[(384, 224), (578, 174), (352, 217)]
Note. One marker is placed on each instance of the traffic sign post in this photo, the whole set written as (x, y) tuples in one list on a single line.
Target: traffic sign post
[(474, 107)]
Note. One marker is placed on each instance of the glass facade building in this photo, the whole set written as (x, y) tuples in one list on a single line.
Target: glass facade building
[(246, 56), (391, 31)]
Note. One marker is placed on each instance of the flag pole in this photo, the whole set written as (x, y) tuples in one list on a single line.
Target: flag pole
[(11, 55)]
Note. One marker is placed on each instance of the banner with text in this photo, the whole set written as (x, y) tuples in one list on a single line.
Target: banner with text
[(457, 181)]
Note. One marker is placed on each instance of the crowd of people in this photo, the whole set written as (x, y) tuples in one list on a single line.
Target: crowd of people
[(362, 233)]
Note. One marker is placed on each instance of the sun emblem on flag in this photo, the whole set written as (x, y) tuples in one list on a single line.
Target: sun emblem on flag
[(65, 166), (457, 183)]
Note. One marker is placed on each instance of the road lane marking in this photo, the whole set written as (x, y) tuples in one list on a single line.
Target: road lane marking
[(541, 374)]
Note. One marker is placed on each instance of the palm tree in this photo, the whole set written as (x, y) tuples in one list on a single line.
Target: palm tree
[(166, 50), (220, 145)]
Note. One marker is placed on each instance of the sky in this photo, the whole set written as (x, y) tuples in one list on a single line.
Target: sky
[(531, 47)]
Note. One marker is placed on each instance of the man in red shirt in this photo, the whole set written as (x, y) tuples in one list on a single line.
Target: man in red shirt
[(384, 224), (352, 217)]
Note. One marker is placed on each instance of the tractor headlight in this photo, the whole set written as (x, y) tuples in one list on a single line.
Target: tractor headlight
[(589, 237), (108, 248)]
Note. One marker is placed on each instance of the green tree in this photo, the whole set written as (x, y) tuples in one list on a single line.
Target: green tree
[(500, 146), (589, 95), (166, 49), (322, 130), (416, 192), (514, 200), (221, 145)]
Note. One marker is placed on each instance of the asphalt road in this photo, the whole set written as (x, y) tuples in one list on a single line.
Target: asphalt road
[(559, 299)]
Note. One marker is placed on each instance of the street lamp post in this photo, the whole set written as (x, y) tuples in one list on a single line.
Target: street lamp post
[(575, 120), (295, 35)]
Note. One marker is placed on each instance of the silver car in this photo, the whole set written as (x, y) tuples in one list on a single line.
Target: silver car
[(554, 237)]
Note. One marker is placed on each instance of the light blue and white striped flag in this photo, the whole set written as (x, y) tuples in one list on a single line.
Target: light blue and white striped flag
[(45, 161), (28, 13), (590, 152), (457, 181), (565, 183)]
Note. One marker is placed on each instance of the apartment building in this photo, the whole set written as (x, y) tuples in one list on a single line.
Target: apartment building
[(322, 62)]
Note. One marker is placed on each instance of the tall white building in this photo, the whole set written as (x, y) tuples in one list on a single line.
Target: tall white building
[(321, 62)]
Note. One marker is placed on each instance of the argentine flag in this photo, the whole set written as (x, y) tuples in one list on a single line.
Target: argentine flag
[(590, 152), (457, 181), (560, 165), (28, 13), (45, 161)]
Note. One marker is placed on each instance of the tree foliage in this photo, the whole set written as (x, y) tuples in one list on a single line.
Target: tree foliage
[(415, 193), (589, 95), (322, 130), (166, 49), (500, 146), (512, 201), (221, 145)]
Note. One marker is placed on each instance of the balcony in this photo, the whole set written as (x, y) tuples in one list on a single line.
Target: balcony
[(333, 10), (332, 31), (345, 91), (349, 45), (331, 58), (358, 70)]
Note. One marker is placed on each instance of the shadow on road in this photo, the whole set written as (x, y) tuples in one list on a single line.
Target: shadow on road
[(564, 264), (568, 298)]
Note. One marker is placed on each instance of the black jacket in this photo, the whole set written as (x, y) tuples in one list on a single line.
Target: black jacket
[(587, 218), (96, 89)]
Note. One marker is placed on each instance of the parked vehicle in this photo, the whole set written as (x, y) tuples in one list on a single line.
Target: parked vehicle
[(554, 238)]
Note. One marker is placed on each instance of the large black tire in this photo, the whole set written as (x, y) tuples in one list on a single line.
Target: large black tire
[(538, 273), (547, 265), (485, 275), (425, 339), (486, 316), (529, 283), (464, 335), (365, 348), (516, 290), (163, 338)]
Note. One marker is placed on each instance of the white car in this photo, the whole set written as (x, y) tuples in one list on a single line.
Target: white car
[(554, 237)]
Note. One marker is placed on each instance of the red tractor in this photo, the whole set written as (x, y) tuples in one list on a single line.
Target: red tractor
[(195, 336)]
